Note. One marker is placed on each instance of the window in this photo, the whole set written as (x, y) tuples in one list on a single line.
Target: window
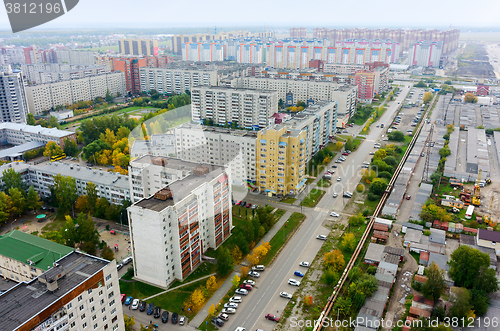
[(80, 298), (115, 327), (81, 307), (102, 302), (110, 285), (89, 291), (104, 318), (83, 316), (94, 317), (69, 306), (91, 300), (84, 325), (114, 319), (111, 303), (101, 292), (72, 324), (92, 309), (110, 295), (95, 326), (103, 310), (70, 316)]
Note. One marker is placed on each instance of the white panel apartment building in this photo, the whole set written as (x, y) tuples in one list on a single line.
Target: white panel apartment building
[(45, 96), (13, 100), (175, 80), (75, 57), (250, 108), (79, 293), (425, 53), (345, 95), (169, 233), (53, 72), (17, 134)]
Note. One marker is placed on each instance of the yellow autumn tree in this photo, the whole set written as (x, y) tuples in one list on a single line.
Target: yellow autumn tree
[(236, 280), (244, 271), (334, 260), (237, 255), (211, 284), (211, 311), (52, 149), (267, 245), (253, 259), (349, 242), (260, 251), (197, 299)]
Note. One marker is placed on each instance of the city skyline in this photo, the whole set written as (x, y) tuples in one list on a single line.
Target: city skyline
[(114, 13)]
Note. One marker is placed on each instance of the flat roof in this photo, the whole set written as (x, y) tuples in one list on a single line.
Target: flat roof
[(19, 150), (374, 252), (26, 300), (37, 129)]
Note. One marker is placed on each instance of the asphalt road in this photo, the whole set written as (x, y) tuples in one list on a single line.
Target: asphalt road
[(265, 298)]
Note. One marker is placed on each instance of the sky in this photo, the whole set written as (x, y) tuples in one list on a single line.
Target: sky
[(276, 13)]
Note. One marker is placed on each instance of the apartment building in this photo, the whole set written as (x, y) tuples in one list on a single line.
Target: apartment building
[(79, 292), (175, 80), (17, 134), (291, 91), (250, 108), (48, 73), (306, 75), (130, 68), (298, 33), (138, 46), (24, 257), (425, 53), (43, 97), (371, 82), (13, 100), (110, 185), (207, 51), (75, 57), (281, 160), (183, 212)]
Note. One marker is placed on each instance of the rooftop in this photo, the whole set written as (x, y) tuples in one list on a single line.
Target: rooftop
[(439, 259), (374, 252), (437, 236), (19, 150), (29, 299), (36, 129), (235, 89), (493, 236), (215, 129), (33, 250)]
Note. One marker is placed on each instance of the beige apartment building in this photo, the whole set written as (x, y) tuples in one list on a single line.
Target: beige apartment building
[(175, 80)]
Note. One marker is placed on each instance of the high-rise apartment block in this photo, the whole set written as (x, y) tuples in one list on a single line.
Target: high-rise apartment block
[(54, 72), (371, 82), (187, 212), (147, 47), (50, 95), (79, 292), (130, 69), (175, 80), (13, 101), (298, 33), (75, 57), (249, 108), (425, 53)]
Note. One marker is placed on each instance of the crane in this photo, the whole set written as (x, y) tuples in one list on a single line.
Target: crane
[(476, 199), (488, 219)]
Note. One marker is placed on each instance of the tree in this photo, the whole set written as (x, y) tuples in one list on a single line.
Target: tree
[(356, 220), (360, 188), (308, 300), (445, 151), (91, 191), (236, 280), (380, 154), (129, 322), (396, 136), (82, 205), (334, 260), (33, 199), (468, 268), (53, 122), (224, 261), (5, 206), (65, 191), (266, 219), (367, 285), (107, 254), (349, 144), (236, 254), (212, 311), (197, 299), (212, 284), (94, 148), (470, 98), (12, 179), (461, 305), (427, 97), (30, 120), (368, 175), (70, 147), (390, 160), (349, 242), (18, 202), (421, 83), (52, 149), (378, 186), (435, 285), (260, 251), (109, 97)]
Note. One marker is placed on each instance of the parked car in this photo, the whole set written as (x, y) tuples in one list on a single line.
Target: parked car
[(334, 214), (164, 316), (339, 179), (249, 205), (182, 320), (334, 166), (175, 318), (338, 161), (224, 317), (127, 260), (364, 166), (293, 282), (238, 203), (298, 273), (241, 291), (305, 264), (345, 153), (255, 206), (347, 195), (135, 304), (321, 237), (408, 197), (142, 306), (128, 301), (151, 308), (249, 282), (335, 195), (119, 266), (372, 153), (272, 318), (231, 305), (246, 287), (285, 295), (258, 267), (157, 312), (235, 299), (228, 311), (254, 274), (218, 322)]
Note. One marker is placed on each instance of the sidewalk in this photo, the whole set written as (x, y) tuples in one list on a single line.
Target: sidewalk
[(221, 292)]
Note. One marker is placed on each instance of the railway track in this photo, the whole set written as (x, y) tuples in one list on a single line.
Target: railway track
[(331, 300)]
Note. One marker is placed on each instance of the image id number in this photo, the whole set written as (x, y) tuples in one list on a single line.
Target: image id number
[(32, 8)]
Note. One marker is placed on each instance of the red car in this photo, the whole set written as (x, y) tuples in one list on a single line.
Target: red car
[(248, 205), (238, 203), (247, 287), (123, 298), (345, 153), (272, 318), (408, 197)]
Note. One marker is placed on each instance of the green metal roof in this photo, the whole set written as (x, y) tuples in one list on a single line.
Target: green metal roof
[(25, 247)]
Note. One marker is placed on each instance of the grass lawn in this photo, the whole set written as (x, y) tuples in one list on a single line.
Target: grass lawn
[(312, 198), (277, 241), (333, 147), (55, 224), (310, 181), (203, 270), (288, 200), (360, 137), (278, 214), (138, 290), (324, 183), (415, 255)]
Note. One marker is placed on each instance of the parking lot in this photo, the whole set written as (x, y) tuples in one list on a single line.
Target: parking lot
[(145, 319)]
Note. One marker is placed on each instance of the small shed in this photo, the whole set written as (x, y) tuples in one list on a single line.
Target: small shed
[(440, 260), (436, 224), (379, 220), (420, 279), (374, 254), (422, 303), (408, 225), (470, 230), (459, 227), (424, 258), (412, 236), (438, 236), (381, 236), (451, 227), (381, 227), (444, 226), (417, 313)]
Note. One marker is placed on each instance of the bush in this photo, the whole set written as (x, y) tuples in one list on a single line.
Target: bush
[(366, 212), (360, 188), (371, 270), (373, 197), (130, 272), (107, 227)]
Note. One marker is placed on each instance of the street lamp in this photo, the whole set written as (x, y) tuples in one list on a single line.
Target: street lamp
[(11, 227)]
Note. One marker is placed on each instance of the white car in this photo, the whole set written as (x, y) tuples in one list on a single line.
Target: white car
[(254, 274), (228, 311), (334, 214), (335, 195), (240, 328), (293, 282), (135, 304), (366, 163), (372, 153), (321, 237), (231, 305), (235, 299), (305, 264), (249, 282), (285, 295), (241, 291), (339, 179)]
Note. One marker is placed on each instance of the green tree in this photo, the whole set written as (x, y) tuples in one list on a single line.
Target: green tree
[(420, 84), (81, 232), (65, 191), (53, 122), (93, 148), (33, 199), (18, 202), (469, 269), (12, 179), (129, 320), (349, 144), (461, 305), (70, 147), (378, 186), (266, 219), (235, 281), (107, 254), (5, 206), (390, 160), (356, 220), (91, 197), (30, 120), (445, 151), (109, 97), (435, 285), (224, 261), (396, 136)]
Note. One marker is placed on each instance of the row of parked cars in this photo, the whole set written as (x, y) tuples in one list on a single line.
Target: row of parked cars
[(231, 306), (151, 309), (242, 203)]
